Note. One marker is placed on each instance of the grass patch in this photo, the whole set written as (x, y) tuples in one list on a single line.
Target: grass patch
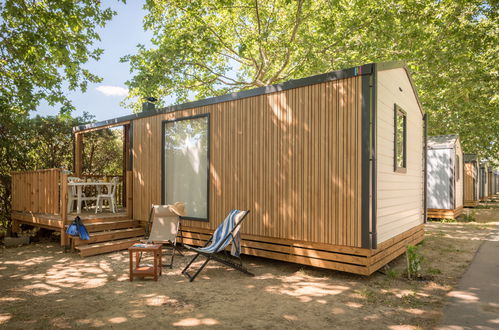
[(442, 220)]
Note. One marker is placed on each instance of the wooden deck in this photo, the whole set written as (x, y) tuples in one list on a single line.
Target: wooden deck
[(54, 221), (108, 231)]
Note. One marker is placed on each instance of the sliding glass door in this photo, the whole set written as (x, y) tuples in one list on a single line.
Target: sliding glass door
[(185, 173)]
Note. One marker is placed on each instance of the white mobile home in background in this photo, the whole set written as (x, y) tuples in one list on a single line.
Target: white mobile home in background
[(445, 176)]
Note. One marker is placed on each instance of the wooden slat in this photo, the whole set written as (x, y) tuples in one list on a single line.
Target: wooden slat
[(121, 123), (111, 235), (373, 260), (395, 252), (344, 259), (470, 185), (291, 157), (35, 191), (444, 213), (47, 222), (111, 224), (296, 243), (99, 248), (386, 244)]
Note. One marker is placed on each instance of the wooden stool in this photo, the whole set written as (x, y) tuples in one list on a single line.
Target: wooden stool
[(145, 271)]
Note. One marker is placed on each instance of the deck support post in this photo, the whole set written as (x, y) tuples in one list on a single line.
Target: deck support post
[(15, 226), (129, 194), (78, 150), (64, 208)]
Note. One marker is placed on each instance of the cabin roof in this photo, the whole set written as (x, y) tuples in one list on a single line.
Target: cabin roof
[(442, 141), (362, 70)]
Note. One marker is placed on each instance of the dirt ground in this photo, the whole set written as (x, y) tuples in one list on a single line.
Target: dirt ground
[(43, 287)]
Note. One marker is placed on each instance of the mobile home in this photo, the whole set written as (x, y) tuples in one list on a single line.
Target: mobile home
[(331, 166), (445, 176), (471, 182), (496, 182), (483, 175), (492, 182)]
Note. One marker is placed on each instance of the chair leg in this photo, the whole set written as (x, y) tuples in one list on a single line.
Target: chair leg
[(173, 256), (190, 263), (179, 249), (191, 278)]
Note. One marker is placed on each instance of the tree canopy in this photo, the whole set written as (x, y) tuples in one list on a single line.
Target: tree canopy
[(43, 47), (206, 48)]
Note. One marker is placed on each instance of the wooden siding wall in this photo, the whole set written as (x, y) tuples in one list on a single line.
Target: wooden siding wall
[(36, 191), (399, 195), (470, 188), (293, 158), (490, 182), (483, 182)]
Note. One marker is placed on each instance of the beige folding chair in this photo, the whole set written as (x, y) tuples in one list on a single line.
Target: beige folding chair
[(164, 223)]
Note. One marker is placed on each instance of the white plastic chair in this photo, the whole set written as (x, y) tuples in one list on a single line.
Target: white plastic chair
[(73, 194), (110, 196)]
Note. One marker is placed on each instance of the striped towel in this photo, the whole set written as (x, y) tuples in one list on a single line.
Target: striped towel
[(223, 231)]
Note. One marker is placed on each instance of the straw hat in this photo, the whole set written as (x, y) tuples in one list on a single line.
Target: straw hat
[(178, 208)]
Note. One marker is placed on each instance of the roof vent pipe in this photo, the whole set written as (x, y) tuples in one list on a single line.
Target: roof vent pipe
[(149, 105)]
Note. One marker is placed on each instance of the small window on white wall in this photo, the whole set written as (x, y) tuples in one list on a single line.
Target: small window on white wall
[(458, 167), (400, 145), (186, 164)]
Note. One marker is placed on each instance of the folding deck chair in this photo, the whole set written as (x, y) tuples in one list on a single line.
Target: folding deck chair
[(226, 233), (165, 226)]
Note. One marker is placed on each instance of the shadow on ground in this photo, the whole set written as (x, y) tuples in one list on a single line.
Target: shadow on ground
[(42, 287)]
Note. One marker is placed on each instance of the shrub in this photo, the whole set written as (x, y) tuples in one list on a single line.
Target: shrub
[(414, 259)]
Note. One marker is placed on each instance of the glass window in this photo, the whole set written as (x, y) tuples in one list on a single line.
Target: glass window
[(186, 164), (458, 168), (400, 158)]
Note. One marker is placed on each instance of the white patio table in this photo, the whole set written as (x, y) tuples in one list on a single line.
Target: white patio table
[(79, 189)]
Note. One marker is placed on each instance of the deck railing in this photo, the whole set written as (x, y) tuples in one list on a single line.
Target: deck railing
[(40, 198), (40, 191)]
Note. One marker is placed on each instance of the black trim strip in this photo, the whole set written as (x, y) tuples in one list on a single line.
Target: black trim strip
[(365, 69), (374, 146), (162, 171), (365, 151), (425, 166)]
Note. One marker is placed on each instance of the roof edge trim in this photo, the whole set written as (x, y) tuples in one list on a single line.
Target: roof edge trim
[(362, 70)]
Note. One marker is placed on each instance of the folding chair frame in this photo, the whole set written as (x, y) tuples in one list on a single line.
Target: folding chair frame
[(213, 256), (173, 244)]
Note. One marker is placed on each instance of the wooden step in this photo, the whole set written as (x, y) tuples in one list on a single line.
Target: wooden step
[(103, 219), (104, 236), (111, 224), (111, 246)]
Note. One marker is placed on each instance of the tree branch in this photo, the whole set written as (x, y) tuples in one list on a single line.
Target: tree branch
[(292, 38)]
